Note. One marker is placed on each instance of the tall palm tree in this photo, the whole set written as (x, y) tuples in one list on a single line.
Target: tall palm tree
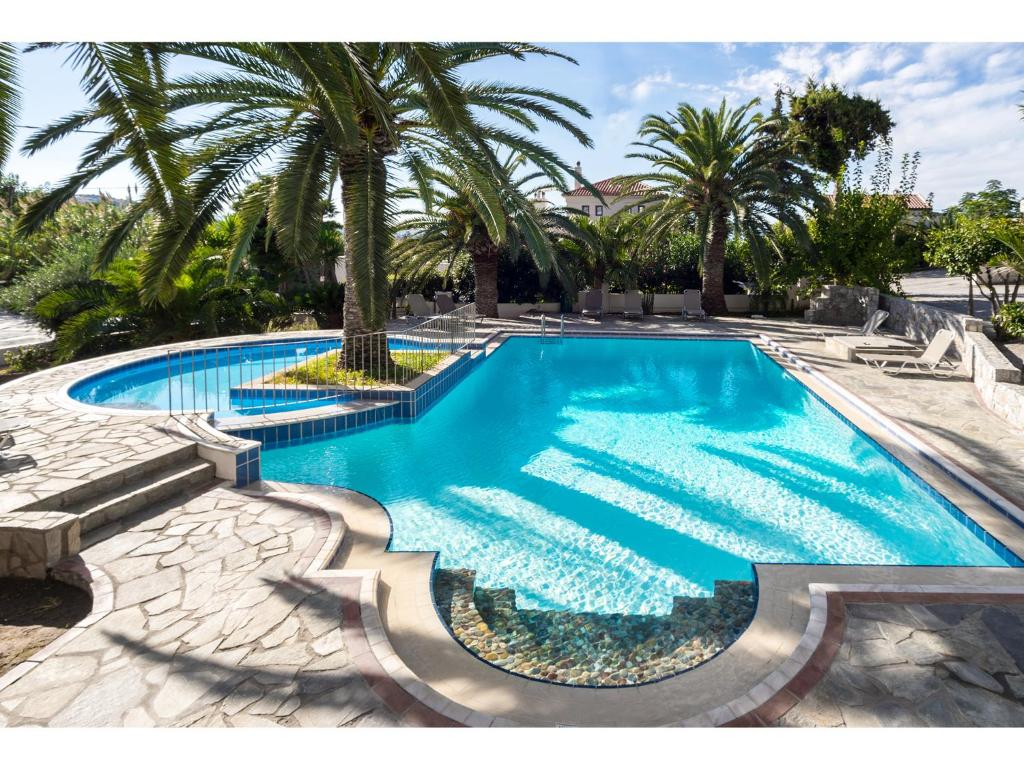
[(733, 171), (10, 100), (482, 211), (298, 101)]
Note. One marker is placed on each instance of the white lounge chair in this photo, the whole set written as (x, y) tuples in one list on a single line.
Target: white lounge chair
[(692, 304), (592, 303), (444, 301), (633, 305), (418, 306), (930, 361), (870, 327)]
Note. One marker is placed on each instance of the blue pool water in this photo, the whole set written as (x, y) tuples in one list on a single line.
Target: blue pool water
[(210, 379), (610, 474)]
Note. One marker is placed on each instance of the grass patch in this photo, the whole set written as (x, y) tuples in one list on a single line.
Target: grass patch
[(327, 370)]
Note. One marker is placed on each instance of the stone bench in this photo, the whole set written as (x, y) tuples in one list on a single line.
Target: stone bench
[(33, 542)]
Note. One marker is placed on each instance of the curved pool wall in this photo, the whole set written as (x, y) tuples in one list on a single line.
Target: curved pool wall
[(445, 474), (213, 379)]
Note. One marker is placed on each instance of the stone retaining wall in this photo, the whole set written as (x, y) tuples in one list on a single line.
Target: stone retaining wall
[(842, 305), (997, 380), (921, 321)]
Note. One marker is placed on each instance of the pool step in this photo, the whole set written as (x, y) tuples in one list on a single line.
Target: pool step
[(112, 478), (141, 492)]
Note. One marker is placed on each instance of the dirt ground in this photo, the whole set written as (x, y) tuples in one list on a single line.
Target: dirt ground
[(33, 613)]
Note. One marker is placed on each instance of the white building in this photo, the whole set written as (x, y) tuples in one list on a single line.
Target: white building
[(615, 199)]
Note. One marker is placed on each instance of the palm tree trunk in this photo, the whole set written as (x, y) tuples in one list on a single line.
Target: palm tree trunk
[(363, 186), (485, 271), (713, 290)]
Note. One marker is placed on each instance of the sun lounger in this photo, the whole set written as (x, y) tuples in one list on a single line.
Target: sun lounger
[(930, 361), (692, 304), (444, 301), (870, 327), (633, 305), (592, 303), (418, 306)]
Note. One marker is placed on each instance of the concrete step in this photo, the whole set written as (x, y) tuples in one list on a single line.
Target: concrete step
[(142, 492), (110, 482)]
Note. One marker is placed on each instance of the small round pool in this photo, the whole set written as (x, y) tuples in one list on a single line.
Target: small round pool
[(223, 380)]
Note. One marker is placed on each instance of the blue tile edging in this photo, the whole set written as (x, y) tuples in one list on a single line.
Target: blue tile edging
[(407, 406)]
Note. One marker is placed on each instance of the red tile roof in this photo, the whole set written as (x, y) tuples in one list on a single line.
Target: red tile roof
[(610, 188), (914, 202)]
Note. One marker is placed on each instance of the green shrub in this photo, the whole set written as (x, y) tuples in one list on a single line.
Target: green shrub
[(29, 359), (1010, 320)]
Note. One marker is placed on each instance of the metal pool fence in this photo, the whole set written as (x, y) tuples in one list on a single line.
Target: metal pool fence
[(262, 377)]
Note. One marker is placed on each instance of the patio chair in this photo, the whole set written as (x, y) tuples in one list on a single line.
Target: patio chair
[(870, 327), (592, 304), (692, 304), (444, 301), (418, 306), (633, 305), (929, 361)]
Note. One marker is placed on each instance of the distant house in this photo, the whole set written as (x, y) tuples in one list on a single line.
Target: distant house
[(615, 198), (918, 209), (89, 199)]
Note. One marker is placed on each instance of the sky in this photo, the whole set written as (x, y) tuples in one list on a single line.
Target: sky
[(956, 104)]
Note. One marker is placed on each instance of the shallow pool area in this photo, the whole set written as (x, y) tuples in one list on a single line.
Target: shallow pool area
[(611, 475)]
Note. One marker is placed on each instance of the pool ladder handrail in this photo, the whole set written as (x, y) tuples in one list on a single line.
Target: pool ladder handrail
[(544, 330)]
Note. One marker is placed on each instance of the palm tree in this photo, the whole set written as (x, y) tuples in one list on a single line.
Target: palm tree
[(298, 100), (480, 211), (605, 248), (10, 100), (126, 87), (108, 311), (733, 172), (321, 113)]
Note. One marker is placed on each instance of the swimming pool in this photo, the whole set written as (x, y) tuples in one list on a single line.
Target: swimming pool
[(213, 379), (610, 475)]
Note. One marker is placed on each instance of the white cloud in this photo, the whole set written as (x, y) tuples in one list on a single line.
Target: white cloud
[(727, 48)]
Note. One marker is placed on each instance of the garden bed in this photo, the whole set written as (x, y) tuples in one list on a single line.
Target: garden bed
[(34, 613)]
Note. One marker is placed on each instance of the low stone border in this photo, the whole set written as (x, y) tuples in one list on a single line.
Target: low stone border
[(89, 578), (790, 684), (362, 625)]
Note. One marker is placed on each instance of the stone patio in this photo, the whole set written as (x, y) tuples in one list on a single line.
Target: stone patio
[(208, 626), (922, 665)]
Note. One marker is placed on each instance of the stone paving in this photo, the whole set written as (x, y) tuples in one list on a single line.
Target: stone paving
[(922, 665), (208, 628)]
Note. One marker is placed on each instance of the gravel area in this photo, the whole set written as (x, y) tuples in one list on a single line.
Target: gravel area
[(34, 613)]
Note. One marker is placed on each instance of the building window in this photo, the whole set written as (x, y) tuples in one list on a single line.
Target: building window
[(586, 210), (599, 210)]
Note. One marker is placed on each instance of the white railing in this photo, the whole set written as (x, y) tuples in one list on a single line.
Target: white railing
[(261, 377)]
